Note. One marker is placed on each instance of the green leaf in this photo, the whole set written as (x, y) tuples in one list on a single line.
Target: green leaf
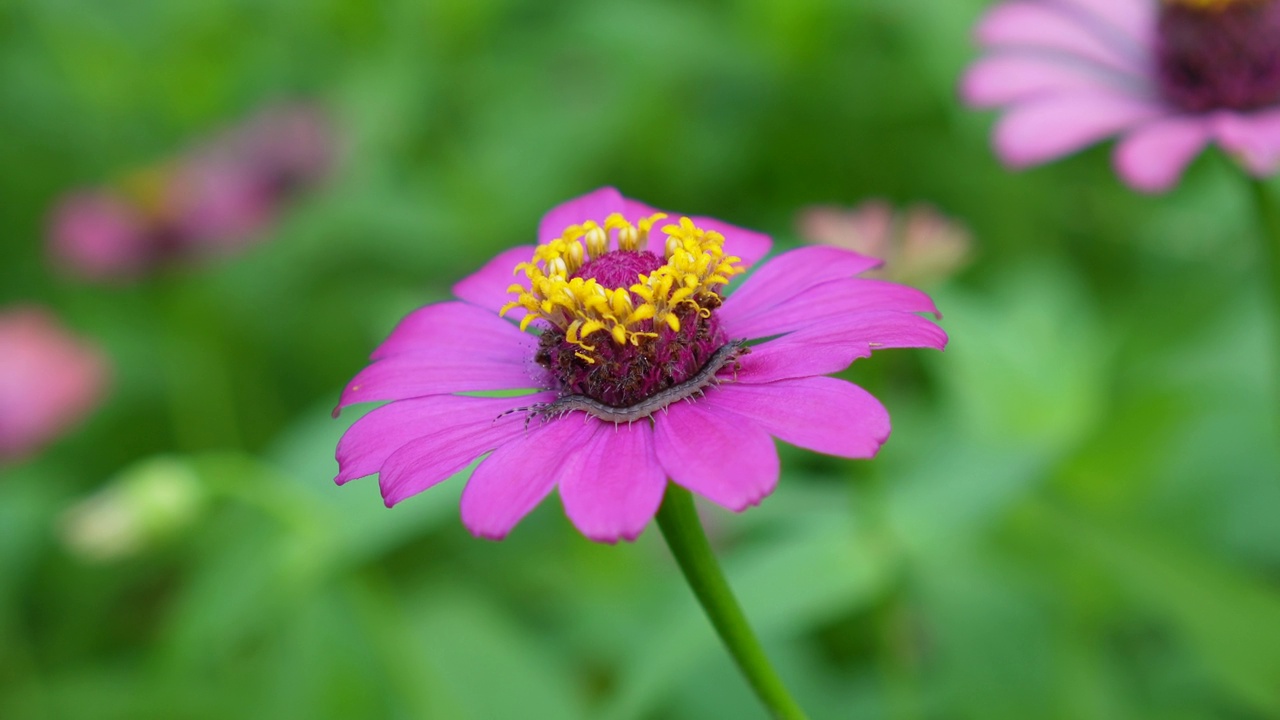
[(1231, 620), (486, 665)]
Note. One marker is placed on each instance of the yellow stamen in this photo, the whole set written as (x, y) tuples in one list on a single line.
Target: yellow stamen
[(695, 271), (597, 240)]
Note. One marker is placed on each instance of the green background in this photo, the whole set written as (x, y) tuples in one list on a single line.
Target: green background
[(1076, 516)]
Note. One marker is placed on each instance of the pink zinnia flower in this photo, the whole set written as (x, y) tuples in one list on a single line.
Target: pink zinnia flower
[(1167, 76), (918, 245), (212, 200), (100, 235), (49, 380), (640, 370)]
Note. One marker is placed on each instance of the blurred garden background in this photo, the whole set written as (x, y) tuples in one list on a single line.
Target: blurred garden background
[(1077, 516)]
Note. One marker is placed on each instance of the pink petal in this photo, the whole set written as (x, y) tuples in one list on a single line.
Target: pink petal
[(487, 287), (457, 329), (418, 375), (634, 210), (595, 205), (822, 414), (1041, 26), (1255, 138), (889, 329), (450, 447), (1008, 77), (746, 244), (1134, 18), (791, 274), (367, 444), (799, 354), (831, 347), (715, 454), (519, 474), (1040, 130), (612, 487), (831, 302), (1152, 157)]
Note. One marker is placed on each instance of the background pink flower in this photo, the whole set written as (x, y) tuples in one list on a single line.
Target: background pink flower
[(919, 246), (99, 235), (49, 380), (813, 315), (1167, 78), (215, 199)]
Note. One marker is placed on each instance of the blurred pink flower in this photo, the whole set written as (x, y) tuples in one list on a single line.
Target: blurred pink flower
[(213, 200), (642, 367), (919, 246), (1166, 76), (292, 146), (49, 380), (217, 205), (100, 235)]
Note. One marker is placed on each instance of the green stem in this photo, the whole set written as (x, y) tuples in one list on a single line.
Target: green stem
[(683, 531), (1269, 221)]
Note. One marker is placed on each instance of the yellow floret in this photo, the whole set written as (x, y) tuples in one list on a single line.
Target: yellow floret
[(696, 269)]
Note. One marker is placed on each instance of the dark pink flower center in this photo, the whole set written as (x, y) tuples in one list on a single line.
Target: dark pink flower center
[(619, 268), (625, 374), (1219, 54)]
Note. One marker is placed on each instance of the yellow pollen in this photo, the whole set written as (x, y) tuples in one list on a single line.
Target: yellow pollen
[(695, 271)]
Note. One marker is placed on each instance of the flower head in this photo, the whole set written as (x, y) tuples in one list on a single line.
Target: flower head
[(212, 200), (638, 366), (1166, 76), (919, 245), (49, 380)]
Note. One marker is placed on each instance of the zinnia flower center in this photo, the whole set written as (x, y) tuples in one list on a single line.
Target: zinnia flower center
[(1219, 54), (624, 323)]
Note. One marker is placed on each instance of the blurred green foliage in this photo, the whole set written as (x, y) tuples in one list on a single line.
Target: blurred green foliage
[(1076, 516)]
